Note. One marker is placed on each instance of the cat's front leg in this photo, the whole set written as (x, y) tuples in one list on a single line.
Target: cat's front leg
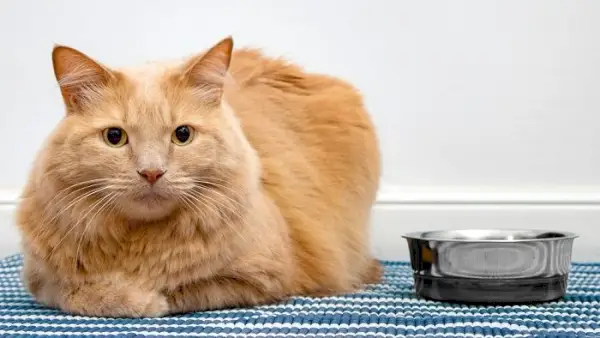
[(110, 296), (226, 292)]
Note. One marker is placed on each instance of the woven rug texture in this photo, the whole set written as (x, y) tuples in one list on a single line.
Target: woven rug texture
[(389, 309)]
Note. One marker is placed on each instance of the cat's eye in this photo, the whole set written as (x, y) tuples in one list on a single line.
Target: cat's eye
[(115, 137), (182, 135)]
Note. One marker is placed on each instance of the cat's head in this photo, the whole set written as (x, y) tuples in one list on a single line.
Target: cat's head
[(146, 141)]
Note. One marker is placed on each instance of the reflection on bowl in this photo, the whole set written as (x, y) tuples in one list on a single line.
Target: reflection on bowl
[(491, 266)]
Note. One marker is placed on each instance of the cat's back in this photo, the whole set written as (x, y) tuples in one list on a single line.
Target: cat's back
[(319, 156), (302, 116)]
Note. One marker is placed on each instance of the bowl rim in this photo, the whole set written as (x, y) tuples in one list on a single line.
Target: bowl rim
[(418, 235)]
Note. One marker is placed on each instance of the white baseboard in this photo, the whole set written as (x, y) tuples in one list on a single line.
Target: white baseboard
[(400, 210), (490, 195)]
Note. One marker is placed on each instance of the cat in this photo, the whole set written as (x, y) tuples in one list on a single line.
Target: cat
[(226, 179)]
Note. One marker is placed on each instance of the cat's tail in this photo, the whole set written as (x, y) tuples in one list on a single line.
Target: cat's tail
[(373, 272)]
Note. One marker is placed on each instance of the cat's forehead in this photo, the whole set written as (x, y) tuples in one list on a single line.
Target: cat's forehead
[(148, 81), (151, 70), (147, 92)]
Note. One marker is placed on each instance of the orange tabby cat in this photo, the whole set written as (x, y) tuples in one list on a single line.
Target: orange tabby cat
[(229, 179)]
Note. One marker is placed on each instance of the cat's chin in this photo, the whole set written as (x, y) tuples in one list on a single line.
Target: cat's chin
[(148, 209)]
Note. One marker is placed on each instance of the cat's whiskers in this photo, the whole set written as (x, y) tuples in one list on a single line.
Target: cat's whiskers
[(204, 199), (80, 218), (215, 211), (93, 183), (43, 228), (112, 196), (229, 192), (189, 203), (197, 200), (189, 179), (79, 199), (51, 204), (234, 201), (227, 222), (212, 180), (187, 184), (201, 207), (218, 185), (204, 194), (60, 192)]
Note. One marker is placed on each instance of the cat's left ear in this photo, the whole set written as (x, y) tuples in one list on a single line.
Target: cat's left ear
[(208, 72)]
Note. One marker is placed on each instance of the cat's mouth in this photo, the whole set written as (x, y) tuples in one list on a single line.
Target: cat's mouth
[(150, 196), (149, 204)]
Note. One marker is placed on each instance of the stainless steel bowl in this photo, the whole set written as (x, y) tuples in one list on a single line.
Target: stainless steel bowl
[(491, 266)]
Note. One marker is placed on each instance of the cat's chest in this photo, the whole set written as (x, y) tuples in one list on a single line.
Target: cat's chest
[(163, 261)]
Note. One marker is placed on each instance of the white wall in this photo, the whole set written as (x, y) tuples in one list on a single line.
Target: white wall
[(488, 111)]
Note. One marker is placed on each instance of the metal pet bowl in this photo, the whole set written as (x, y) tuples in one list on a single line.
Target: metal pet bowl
[(491, 266)]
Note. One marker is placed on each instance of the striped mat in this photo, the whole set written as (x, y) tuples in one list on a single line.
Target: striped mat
[(386, 310)]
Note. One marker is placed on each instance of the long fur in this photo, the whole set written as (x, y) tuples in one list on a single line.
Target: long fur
[(271, 198)]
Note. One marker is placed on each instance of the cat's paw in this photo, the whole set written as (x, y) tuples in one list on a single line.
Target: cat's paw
[(143, 304), (157, 306), (114, 300)]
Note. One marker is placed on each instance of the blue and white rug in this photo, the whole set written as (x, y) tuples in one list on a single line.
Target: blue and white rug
[(386, 310)]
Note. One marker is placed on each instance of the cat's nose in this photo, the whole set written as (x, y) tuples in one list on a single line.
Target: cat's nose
[(151, 175)]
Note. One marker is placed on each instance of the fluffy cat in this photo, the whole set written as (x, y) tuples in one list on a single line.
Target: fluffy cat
[(227, 179)]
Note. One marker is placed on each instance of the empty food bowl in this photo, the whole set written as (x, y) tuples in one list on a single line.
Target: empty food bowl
[(491, 266)]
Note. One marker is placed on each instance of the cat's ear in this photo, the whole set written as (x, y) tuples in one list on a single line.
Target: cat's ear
[(77, 75), (208, 72)]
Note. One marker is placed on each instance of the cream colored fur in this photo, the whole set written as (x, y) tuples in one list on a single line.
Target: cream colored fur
[(271, 198)]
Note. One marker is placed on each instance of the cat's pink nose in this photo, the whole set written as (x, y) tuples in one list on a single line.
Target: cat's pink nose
[(151, 175)]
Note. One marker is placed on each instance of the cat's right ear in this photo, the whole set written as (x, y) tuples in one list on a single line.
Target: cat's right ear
[(77, 75)]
